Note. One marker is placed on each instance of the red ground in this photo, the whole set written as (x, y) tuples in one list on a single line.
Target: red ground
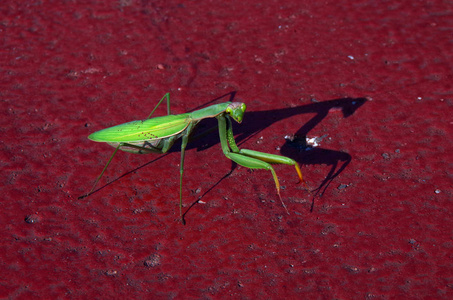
[(383, 226)]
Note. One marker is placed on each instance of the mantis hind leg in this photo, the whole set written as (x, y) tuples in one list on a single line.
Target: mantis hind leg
[(166, 96), (149, 148), (102, 173)]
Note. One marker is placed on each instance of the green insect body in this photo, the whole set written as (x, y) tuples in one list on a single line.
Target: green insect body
[(157, 135)]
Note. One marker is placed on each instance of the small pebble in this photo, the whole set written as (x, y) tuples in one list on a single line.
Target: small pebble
[(385, 155), (342, 186), (31, 219)]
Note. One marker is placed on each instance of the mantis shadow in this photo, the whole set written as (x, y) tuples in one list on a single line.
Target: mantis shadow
[(256, 121)]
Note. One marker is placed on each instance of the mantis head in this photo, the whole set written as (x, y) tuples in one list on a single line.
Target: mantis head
[(236, 111)]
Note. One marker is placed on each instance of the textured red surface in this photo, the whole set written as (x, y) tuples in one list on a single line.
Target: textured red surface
[(382, 227)]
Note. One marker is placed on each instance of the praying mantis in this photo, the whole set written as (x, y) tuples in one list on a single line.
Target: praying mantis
[(158, 134)]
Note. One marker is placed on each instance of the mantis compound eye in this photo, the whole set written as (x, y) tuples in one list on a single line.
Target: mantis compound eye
[(236, 111)]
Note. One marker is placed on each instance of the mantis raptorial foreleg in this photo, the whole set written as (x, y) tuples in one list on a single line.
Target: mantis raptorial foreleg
[(250, 158), (253, 163), (276, 159)]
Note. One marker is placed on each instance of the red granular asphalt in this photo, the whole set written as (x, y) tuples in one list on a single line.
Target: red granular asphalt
[(375, 77)]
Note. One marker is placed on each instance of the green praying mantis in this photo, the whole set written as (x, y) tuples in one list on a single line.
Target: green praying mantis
[(157, 135)]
